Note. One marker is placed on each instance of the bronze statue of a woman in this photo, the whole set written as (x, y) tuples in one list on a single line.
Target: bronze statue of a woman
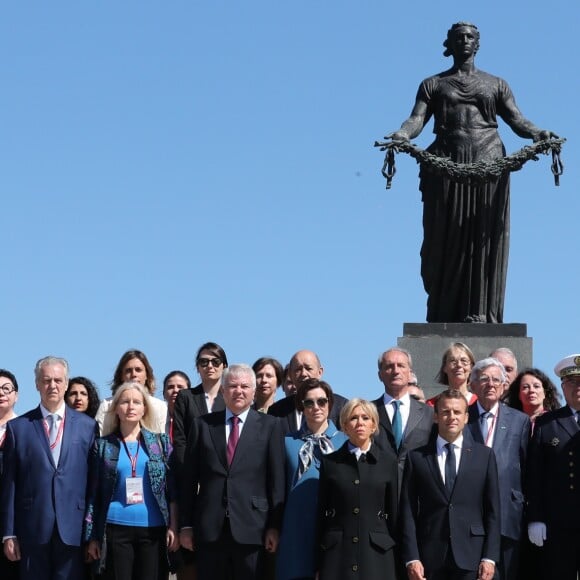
[(466, 225)]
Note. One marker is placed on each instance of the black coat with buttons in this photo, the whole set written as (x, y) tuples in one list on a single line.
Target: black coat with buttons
[(357, 503)]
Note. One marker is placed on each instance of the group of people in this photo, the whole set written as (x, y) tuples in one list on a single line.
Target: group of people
[(221, 481)]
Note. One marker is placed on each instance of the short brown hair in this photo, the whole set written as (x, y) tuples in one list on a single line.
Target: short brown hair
[(309, 385)]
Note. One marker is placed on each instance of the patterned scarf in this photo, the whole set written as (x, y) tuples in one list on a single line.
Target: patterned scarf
[(313, 447)]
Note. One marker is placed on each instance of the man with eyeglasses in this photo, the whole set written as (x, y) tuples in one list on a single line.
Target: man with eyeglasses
[(506, 431), (304, 365), (404, 423), (554, 480), (8, 398), (233, 484)]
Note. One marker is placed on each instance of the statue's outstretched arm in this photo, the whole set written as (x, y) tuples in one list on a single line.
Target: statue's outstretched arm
[(520, 125), (414, 124)]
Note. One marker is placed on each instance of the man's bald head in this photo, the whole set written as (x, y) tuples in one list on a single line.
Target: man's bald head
[(305, 364)]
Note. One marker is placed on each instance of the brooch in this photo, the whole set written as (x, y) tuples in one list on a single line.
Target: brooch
[(555, 442)]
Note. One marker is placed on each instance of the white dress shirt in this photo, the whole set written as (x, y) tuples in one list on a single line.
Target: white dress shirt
[(404, 408), (442, 453), (491, 422)]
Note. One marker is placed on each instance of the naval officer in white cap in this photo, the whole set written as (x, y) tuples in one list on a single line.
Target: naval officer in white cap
[(554, 480)]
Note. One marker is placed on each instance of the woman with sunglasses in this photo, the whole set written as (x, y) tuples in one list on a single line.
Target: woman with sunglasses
[(210, 362), (357, 502), (318, 436)]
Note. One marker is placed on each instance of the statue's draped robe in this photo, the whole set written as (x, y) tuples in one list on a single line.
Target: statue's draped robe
[(466, 226)]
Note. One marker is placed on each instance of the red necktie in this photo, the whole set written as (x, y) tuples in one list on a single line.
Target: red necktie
[(233, 439)]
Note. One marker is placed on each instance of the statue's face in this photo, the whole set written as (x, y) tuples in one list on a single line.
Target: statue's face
[(465, 41)]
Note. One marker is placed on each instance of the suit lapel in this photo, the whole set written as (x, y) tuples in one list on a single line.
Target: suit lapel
[(501, 427), (70, 419), (568, 421), (474, 424), (415, 414), (200, 403), (383, 417), (217, 430), (434, 468), (465, 460), (38, 423), (250, 432)]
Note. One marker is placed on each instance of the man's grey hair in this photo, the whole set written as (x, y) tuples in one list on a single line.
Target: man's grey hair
[(50, 360), (504, 350), (396, 349), (237, 370), (486, 363)]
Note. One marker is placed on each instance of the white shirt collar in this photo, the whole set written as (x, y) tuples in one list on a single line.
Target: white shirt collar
[(442, 442), (242, 416), (60, 411), (481, 410), (405, 399)]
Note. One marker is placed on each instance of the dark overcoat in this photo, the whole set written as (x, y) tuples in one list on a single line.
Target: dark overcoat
[(357, 505)]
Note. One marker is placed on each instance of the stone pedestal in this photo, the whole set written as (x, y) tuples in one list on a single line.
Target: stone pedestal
[(427, 341)]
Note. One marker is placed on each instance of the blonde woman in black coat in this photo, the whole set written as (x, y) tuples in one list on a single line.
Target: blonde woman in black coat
[(357, 502)]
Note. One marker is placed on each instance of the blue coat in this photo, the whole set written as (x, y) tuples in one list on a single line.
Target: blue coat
[(103, 469), (297, 549), (36, 495)]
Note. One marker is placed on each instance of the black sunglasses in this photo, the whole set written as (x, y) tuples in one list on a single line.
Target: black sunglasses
[(309, 403), (205, 362)]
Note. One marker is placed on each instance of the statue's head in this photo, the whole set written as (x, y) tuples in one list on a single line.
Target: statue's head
[(448, 43)]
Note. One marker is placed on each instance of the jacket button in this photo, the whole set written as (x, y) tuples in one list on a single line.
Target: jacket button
[(356, 481), (355, 511), (354, 568), (355, 540)]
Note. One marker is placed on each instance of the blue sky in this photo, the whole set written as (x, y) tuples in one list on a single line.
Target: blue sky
[(180, 172)]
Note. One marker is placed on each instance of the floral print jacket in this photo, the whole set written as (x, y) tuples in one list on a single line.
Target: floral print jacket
[(103, 478)]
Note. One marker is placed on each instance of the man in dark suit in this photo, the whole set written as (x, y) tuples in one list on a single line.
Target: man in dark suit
[(305, 364), (44, 481), (450, 522), (405, 423), (553, 481), (507, 432), (233, 484)]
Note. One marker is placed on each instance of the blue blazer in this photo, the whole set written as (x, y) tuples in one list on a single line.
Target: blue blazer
[(510, 444), (103, 469), (36, 495), (467, 521)]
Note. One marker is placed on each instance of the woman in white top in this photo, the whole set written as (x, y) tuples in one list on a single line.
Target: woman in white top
[(134, 366)]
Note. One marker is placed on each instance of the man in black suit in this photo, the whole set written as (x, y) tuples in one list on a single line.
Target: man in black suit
[(233, 484), (450, 522), (507, 432), (405, 423), (305, 364), (554, 480)]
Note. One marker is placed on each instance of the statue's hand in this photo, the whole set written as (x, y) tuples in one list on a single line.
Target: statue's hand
[(544, 134), (398, 136)]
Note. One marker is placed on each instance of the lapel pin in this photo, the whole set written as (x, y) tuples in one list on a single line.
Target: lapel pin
[(555, 442)]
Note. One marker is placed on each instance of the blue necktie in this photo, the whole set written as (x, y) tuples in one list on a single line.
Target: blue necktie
[(55, 444), (450, 468), (484, 426), (397, 424)]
